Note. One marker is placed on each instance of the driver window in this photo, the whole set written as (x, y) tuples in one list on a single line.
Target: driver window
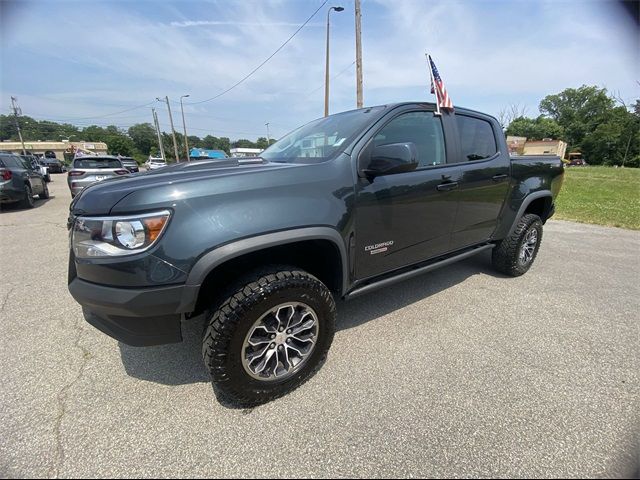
[(423, 129)]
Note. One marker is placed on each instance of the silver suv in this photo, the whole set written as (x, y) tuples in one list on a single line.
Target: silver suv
[(89, 169)]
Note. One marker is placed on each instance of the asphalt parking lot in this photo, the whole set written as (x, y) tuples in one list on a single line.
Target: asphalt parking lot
[(460, 372)]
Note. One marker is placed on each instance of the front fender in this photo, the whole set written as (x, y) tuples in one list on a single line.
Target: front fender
[(208, 262)]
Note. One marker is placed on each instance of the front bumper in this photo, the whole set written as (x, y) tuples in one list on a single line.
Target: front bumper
[(138, 317)]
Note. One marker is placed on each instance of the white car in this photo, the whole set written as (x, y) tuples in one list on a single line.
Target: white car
[(154, 163)]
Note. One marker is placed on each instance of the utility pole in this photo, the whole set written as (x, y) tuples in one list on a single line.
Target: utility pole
[(173, 130), (17, 112), (358, 56), (268, 138), (184, 125), (326, 68), (155, 122)]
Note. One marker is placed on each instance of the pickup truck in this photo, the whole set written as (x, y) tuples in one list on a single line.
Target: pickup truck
[(262, 248)]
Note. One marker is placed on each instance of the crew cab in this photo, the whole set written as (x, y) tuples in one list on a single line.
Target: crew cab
[(263, 247)]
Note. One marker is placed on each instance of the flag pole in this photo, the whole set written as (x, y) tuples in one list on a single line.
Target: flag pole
[(435, 90)]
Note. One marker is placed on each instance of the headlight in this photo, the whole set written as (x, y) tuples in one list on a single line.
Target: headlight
[(93, 237)]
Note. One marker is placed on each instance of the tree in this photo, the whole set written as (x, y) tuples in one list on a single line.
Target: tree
[(119, 145), (244, 143), (144, 137), (508, 114), (614, 142), (262, 143), (535, 129), (578, 110), (209, 142), (224, 144), (167, 142)]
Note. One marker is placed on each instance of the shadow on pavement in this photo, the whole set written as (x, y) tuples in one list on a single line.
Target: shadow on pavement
[(173, 364), (38, 202), (181, 363)]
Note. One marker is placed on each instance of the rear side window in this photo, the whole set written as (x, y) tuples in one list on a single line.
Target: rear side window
[(92, 162), (477, 140), (12, 162), (423, 129)]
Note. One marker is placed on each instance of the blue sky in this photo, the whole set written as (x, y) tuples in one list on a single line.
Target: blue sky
[(82, 61)]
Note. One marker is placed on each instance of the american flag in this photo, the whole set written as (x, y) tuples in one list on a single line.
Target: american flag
[(437, 87)]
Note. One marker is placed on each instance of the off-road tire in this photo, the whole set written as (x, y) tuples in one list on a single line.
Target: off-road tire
[(45, 194), (506, 255), (228, 324), (27, 201)]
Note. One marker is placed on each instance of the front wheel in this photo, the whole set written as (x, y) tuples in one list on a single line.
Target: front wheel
[(270, 336), (45, 191), (515, 254)]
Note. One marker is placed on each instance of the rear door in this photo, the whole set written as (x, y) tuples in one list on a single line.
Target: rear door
[(35, 179), (483, 178)]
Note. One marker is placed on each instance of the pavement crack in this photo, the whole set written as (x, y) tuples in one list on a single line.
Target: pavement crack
[(62, 398), (6, 298)]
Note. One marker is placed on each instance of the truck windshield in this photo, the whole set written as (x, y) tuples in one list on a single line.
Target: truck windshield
[(321, 139)]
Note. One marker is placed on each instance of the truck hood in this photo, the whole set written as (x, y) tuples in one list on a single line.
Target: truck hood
[(100, 198)]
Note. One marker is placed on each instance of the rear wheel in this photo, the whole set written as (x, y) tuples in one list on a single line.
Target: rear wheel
[(27, 201), (269, 336), (515, 254)]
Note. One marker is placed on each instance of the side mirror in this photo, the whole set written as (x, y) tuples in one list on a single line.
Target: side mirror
[(390, 159)]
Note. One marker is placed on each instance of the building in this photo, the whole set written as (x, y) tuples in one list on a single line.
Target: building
[(58, 148), (545, 147), (203, 153), (245, 152)]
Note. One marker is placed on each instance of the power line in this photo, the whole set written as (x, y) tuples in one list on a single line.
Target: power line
[(263, 63), (335, 76), (102, 116)]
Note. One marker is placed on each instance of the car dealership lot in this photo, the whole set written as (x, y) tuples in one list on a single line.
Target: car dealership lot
[(460, 372)]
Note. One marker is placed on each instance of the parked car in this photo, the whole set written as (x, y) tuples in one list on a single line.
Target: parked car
[(53, 164), (89, 169), (155, 163), (576, 160), (19, 182), (130, 164), (260, 247), (36, 165)]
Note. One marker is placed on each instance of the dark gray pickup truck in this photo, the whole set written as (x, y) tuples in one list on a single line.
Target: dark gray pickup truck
[(262, 247)]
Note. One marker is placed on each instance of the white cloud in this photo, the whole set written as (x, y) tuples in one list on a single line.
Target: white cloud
[(488, 58)]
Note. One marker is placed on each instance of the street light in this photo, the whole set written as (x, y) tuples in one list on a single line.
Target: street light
[(184, 125), (173, 130), (326, 70)]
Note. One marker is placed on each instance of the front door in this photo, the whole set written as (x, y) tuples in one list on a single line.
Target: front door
[(405, 218)]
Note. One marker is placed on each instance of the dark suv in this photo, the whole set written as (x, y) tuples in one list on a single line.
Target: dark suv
[(19, 182), (51, 162), (130, 164)]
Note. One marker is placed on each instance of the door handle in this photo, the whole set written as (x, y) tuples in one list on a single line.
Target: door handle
[(499, 177), (443, 187)]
